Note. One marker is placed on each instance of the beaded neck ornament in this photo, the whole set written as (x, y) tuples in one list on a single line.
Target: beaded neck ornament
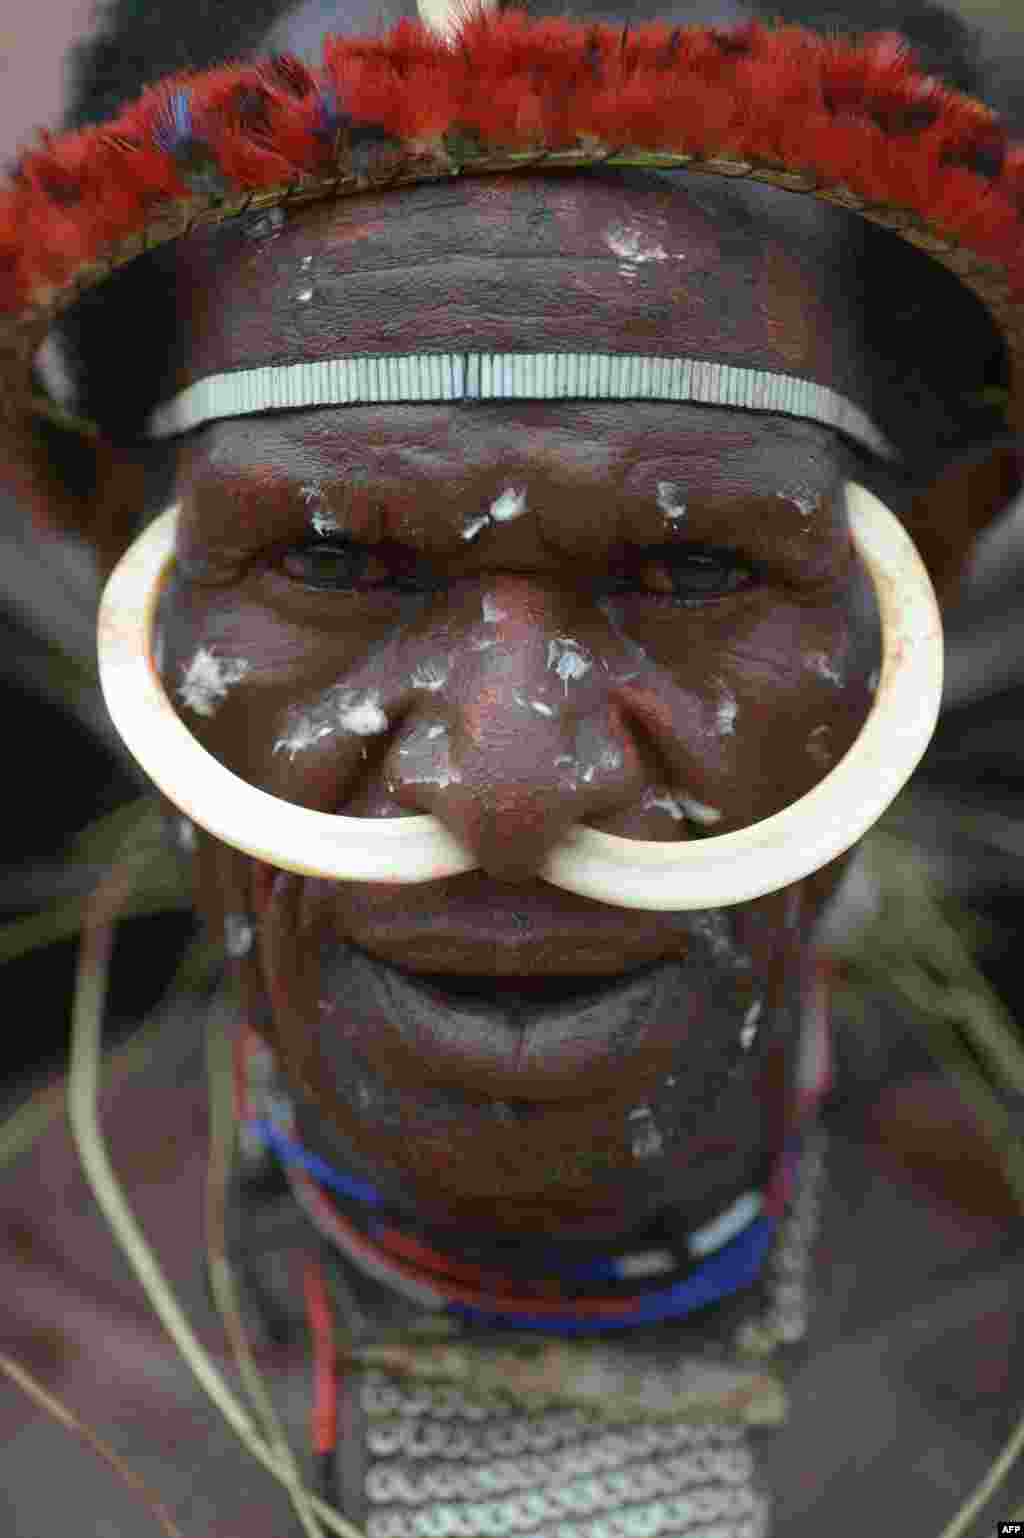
[(481, 1431)]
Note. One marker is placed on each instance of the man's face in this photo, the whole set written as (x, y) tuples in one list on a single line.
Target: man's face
[(517, 617)]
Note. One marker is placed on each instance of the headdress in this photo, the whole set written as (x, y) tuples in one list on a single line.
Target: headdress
[(852, 123)]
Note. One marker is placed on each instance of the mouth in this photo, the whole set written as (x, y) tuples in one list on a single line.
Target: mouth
[(522, 998), (508, 998), (515, 1038)]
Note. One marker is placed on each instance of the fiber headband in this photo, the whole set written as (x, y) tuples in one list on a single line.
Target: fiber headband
[(478, 376)]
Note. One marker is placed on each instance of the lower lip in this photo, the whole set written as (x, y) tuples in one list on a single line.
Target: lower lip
[(415, 1034)]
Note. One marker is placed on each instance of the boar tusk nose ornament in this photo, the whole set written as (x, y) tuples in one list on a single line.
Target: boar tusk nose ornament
[(627, 873)]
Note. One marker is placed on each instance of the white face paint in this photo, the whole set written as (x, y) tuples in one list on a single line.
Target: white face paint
[(748, 1034), (324, 523), (322, 519), (698, 812), (818, 748), (361, 714), (681, 806), (305, 734), (665, 803), (608, 759), (356, 711), (570, 771), (725, 715), (567, 660), (472, 527), (511, 504), (208, 678), (539, 707), (671, 501), (430, 676), (826, 667), (492, 613), (238, 935), (633, 248), (645, 1137)]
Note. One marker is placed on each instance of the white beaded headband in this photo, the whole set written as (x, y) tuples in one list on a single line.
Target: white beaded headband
[(491, 376)]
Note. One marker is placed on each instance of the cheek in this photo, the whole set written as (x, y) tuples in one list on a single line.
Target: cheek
[(780, 689), (800, 700), (236, 673)]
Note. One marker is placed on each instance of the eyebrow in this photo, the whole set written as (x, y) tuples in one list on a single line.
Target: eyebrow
[(253, 494)]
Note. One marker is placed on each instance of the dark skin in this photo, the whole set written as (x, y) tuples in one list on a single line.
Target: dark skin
[(662, 630)]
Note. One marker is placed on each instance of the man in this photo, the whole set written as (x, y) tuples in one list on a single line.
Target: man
[(534, 1110)]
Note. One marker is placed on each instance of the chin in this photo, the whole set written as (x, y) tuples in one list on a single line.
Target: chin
[(690, 1127), (605, 1068)]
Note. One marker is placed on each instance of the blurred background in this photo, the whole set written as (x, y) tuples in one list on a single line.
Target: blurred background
[(930, 921)]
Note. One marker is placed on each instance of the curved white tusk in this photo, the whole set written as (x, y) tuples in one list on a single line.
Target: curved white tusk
[(627, 873)]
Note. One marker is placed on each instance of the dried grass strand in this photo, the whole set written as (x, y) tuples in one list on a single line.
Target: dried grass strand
[(222, 1281), (62, 1413), (988, 1486), (83, 1085)]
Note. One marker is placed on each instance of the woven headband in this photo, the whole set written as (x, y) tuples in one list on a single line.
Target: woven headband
[(412, 377), (854, 124)]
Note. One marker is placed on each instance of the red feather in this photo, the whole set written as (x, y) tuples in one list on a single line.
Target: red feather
[(859, 115)]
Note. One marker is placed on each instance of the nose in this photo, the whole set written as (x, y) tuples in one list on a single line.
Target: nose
[(523, 738)]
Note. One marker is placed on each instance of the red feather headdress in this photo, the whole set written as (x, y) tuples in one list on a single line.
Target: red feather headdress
[(855, 124)]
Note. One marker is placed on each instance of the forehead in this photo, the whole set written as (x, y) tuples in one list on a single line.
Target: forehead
[(569, 263), (593, 476), (632, 448)]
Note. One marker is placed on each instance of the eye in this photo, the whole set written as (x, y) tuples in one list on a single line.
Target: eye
[(340, 565), (687, 575), (332, 564)]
